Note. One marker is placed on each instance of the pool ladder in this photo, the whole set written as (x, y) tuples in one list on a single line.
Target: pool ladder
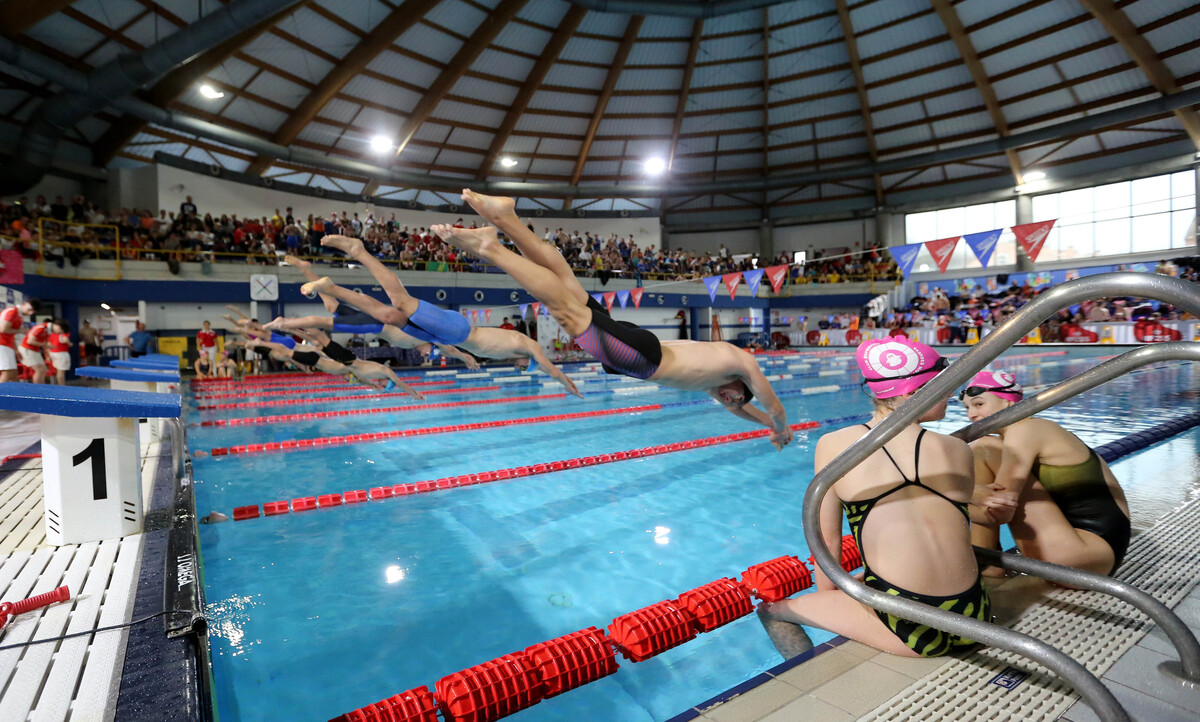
[(1162, 288)]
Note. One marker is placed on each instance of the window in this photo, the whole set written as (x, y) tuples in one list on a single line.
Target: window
[(1147, 214), (800, 257), (952, 222)]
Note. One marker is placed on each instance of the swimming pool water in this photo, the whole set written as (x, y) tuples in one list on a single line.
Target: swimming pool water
[(314, 614)]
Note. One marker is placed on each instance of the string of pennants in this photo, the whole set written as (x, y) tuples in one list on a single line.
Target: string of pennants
[(1031, 236), (776, 275)]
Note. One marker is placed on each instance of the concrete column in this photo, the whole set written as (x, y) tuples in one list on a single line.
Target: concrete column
[(766, 242), (694, 323), (1024, 215)]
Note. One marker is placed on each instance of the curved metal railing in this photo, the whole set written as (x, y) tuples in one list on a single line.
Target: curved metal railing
[(1174, 291)]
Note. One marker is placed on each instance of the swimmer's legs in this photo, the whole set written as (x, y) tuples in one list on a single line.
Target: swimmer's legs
[(790, 639), (395, 290), (841, 614), (545, 285), (331, 304), (378, 310), (501, 212)]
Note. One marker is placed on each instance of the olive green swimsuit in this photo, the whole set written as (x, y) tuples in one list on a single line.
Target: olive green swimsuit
[(974, 602), (1082, 493)]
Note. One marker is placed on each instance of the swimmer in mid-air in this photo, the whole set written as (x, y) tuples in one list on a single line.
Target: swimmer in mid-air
[(725, 372), (1060, 500), (426, 321), (322, 355)]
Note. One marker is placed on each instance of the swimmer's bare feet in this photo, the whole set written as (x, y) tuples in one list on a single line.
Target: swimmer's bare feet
[(480, 241), (275, 325), (312, 288), (490, 207), (297, 262), (345, 244)]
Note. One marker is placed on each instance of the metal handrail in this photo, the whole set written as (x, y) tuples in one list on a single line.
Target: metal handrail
[(1171, 290)]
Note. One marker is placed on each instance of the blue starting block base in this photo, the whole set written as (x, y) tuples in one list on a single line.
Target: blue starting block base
[(138, 363), (80, 402), (122, 374)]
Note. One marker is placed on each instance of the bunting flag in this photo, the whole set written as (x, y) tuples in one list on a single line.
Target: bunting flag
[(983, 244), (731, 282), (487, 312), (777, 275), (636, 295), (753, 278), (536, 306), (712, 283), (474, 317), (942, 250), (598, 297), (1032, 236), (545, 310), (623, 297), (524, 308), (609, 298), (905, 256), (12, 268)]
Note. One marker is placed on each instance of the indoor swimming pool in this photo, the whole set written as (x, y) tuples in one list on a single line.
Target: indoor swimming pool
[(317, 613)]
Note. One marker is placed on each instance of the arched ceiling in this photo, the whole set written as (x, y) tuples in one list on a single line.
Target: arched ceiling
[(577, 96)]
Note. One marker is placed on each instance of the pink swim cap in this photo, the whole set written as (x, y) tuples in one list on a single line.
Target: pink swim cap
[(897, 365), (1000, 383)]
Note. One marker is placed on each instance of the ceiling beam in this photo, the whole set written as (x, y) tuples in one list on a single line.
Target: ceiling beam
[(462, 60), (17, 16), (610, 83), (860, 86), (375, 42), (966, 49), (175, 84), (558, 40), (1118, 25), (684, 87)]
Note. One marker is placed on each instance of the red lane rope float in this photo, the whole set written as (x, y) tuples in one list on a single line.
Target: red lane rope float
[(377, 493), (337, 399), (301, 444), (253, 379), (329, 380), (300, 389), (284, 418), (503, 686)]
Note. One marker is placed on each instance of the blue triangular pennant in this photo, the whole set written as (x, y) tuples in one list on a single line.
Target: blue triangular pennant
[(623, 297), (524, 308), (983, 244), (712, 283), (599, 298), (905, 256), (753, 278)]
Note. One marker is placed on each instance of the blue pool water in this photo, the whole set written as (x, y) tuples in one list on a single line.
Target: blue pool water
[(315, 614)]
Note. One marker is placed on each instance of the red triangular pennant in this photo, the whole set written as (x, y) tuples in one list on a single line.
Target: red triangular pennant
[(636, 294), (609, 298), (536, 306), (1032, 236), (942, 251), (777, 275), (488, 312), (731, 282)]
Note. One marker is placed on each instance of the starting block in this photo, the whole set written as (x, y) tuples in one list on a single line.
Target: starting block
[(143, 363), (128, 379), (91, 466)]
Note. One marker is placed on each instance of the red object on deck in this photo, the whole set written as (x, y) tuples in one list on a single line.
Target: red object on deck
[(490, 691), (572, 660), (415, 705), (12, 609), (717, 603), (652, 630), (245, 512), (778, 578)]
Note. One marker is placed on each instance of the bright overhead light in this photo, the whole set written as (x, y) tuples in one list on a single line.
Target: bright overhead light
[(508, 162), (381, 144), (106, 307), (1034, 175), (654, 166), (210, 92)]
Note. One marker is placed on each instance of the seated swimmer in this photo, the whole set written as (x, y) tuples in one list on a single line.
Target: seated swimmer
[(226, 367), (204, 368), (907, 507), (724, 371), (1058, 497)]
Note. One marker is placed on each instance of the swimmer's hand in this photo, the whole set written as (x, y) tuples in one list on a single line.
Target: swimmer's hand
[(570, 386), (1000, 505), (781, 438)]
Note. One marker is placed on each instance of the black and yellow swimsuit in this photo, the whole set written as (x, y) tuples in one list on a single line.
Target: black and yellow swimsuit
[(974, 602), (1082, 493)]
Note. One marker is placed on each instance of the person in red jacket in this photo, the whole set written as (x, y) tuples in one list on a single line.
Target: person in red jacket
[(11, 320), (59, 348), (31, 350), (206, 344)]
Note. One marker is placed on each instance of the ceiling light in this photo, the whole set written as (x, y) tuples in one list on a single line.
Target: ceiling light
[(508, 162), (1034, 175), (381, 144), (210, 92), (654, 166), (106, 307)]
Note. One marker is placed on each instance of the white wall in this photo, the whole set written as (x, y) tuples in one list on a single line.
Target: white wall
[(216, 196), (51, 186), (825, 236), (133, 188), (743, 240)]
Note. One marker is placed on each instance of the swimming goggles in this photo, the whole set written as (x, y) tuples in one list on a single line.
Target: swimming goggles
[(974, 391), (939, 365)]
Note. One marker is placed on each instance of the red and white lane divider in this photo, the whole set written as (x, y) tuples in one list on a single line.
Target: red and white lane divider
[(307, 503), (506, 685), (301, 444), (284, 418), (415, 381), (338, 399)]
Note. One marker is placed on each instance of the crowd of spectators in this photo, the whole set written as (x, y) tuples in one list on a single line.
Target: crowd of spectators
[(80, 229)]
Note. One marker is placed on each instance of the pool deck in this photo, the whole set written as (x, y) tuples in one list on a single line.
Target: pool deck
[(845, 680), (77, 678)]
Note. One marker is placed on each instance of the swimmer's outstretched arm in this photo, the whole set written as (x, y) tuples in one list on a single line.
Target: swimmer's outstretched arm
[(236, 310), (453, 352), (370, 370), (533, 350)]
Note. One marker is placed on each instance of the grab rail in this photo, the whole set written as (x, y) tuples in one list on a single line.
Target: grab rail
[(1173, 291)]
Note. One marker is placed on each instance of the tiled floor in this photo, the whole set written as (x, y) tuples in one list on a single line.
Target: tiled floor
[(17, 432)]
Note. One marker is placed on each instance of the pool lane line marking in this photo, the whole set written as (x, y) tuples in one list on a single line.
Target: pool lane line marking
[(322, 501), (284, 418), (320, 442), (338, 399), (305, 389)]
